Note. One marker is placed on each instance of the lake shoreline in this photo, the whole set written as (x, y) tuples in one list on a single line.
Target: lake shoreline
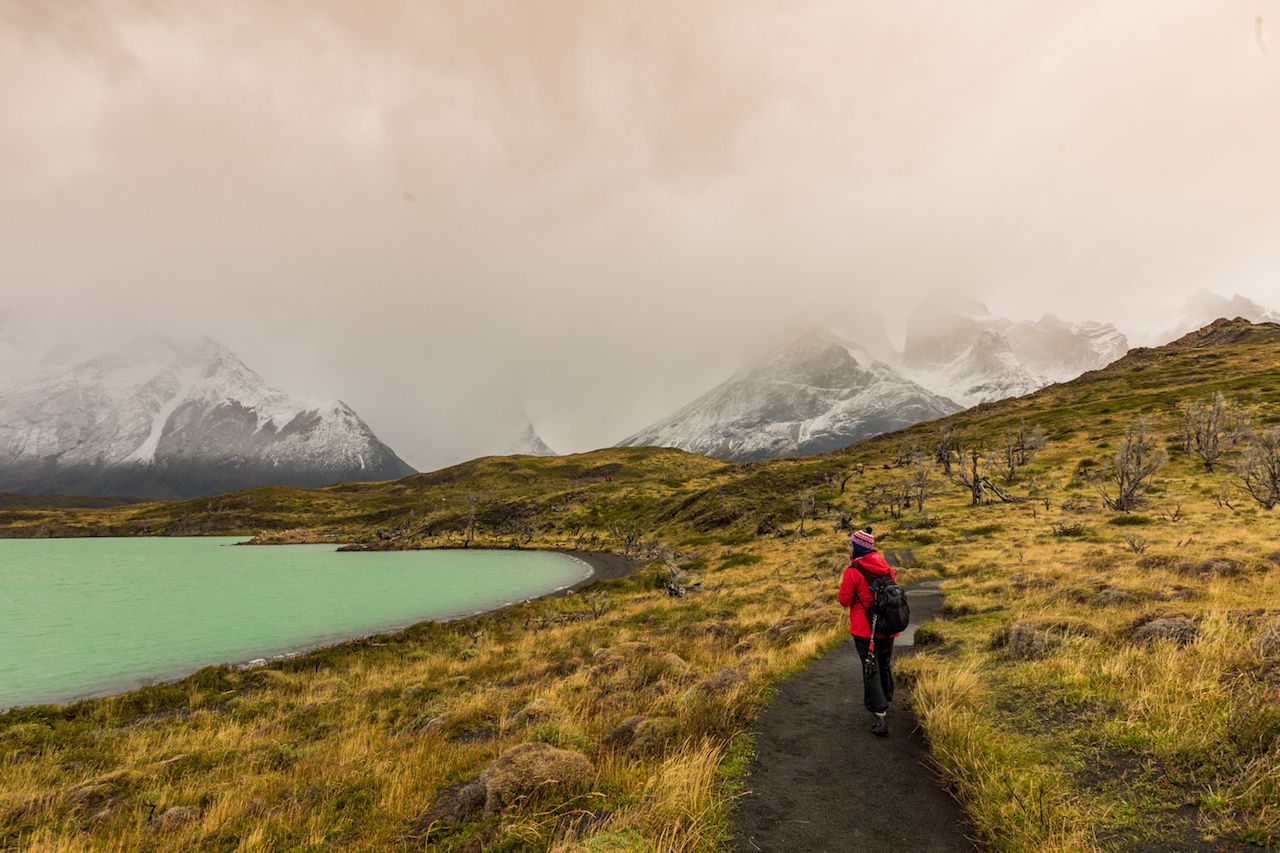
[(605, 566), (602, 566)]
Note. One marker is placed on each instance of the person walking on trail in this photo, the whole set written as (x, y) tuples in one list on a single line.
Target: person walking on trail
[(868, 571)]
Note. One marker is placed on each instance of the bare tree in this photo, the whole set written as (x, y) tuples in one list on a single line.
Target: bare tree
[(1188, 426), (808, 509), (1203, 424), (1237, 426), (906, 455), (627, 534), (1135, 463), (1136, 543), (1030, 442), (892, 497), (469, 533), (1019, 447), (969, 473), (920, 484), (947, 447), (839, 480), (520, 522), (1009, 457), (898, 498), (1259, 468)]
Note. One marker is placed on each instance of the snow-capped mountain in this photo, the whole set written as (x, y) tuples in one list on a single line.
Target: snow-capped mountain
[(989, 370), (528, 443), (1203, 307), (817, 394), (164, 418), (963, 351)]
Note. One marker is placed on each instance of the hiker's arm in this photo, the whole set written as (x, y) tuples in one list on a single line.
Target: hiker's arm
[(845, 596)]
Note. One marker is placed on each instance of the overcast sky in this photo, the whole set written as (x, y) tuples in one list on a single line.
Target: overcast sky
[(447, 212)]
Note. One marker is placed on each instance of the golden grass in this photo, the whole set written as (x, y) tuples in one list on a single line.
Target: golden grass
[(349, 754), (1099, 742)]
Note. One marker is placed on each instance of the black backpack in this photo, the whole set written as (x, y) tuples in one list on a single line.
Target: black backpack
[(888, 604)]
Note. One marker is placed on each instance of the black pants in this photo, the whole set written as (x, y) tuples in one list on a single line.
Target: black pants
[(877, 691)]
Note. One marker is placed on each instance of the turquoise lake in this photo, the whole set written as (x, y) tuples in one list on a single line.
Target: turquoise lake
[(84, 617)]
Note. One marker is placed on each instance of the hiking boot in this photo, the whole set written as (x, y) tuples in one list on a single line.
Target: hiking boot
[(880, 726)]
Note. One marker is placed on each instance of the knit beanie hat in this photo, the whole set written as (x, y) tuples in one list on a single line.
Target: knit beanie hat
[(863, 542)]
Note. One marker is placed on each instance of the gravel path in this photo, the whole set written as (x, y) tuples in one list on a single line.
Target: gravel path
[(822, 782)]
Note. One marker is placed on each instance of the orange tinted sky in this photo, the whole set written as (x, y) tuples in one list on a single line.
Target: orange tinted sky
[(443, 211)]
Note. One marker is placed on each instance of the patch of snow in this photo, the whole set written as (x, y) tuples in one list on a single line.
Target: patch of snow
[(187, 402), (819, 393), (146, 452)]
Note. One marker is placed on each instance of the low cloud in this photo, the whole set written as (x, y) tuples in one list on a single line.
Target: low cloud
[(450, 214)]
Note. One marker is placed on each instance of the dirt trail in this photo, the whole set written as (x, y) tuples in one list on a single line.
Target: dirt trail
[(822, 782)]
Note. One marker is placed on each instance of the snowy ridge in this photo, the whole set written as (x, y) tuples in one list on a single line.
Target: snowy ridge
[(825, 391), (1202, 308), (818, 394), (963, 351), (164, 418), (528, 443)]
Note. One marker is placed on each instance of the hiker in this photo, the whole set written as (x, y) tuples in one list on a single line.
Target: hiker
[(867, 567)]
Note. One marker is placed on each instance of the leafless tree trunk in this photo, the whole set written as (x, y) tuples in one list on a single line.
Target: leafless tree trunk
[(808, 509), (839, 480), (905, 456), (1237, 427), (469, 535), (1259, 469), (1189, 426), (1030, 442), (1011, 457), (1019, 448), (921, 483), (1204, 421), (968, 473), (891, 497), (947, 446), (628, 535), (1135, 463)]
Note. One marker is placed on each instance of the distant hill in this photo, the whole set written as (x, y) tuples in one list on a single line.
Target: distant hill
[(15, 500)]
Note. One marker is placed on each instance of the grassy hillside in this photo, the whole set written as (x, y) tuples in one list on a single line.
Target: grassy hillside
[(1103, 679), (15, 500)]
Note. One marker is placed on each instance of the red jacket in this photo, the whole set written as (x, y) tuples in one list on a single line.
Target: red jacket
[(855, 592)]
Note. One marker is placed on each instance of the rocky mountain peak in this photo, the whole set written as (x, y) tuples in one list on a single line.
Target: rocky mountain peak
[(165, 417), (812, 395), (529, 443)]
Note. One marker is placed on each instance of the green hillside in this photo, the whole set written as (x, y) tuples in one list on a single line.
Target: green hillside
[(1106, 676)]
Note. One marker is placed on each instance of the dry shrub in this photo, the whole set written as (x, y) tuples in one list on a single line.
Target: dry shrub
[(1034, 639), (640, 735), (1158, 627), (1267, 645), (1214, 566), (534, 769)]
